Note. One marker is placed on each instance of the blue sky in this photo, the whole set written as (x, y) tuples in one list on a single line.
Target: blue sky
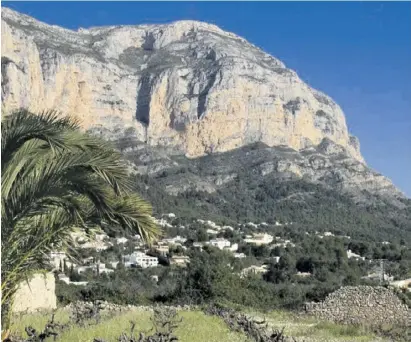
[(359, 53)]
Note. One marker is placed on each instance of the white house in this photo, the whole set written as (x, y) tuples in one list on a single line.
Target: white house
[(404, 284), (198, 244), (141, 259), (213, 225), (326, 234), (276, 259), (350, 255), (154, 278), (163, 223), (69, 264), (283, 243), (98, 245), (163, 249), (239, 255), (377, 276), (100, 237), (79, 236), (303, 274), (121, 240), (232, 248), (254, 269), (94, 267), (81, 269), (177, 240), (87, 261), (180, 260), (79, 283), (220, 243), (64, 278), (57, 258), (114, 264), (260, 239), (102, 268)]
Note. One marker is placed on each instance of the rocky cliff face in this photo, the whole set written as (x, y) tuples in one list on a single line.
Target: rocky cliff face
[(327, 164), (184, 88), (187, 85)]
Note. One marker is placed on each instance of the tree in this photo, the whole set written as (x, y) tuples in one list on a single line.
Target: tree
[(281, 271), (202, 235), (54, 180)]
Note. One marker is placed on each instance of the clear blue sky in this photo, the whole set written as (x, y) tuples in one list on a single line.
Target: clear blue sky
[(359, 53)]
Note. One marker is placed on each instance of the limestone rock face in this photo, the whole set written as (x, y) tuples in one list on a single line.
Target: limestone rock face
[(36, 294), (186, 85), (328, 164)]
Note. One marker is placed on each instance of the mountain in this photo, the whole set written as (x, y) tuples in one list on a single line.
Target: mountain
[(196, 109), (187, 84)]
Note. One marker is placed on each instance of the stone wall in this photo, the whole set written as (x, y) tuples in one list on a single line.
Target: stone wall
[(106, 306), (37, 294), (362, 305)]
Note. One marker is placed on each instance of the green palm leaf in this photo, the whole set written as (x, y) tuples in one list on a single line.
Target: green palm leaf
[(54, 180)]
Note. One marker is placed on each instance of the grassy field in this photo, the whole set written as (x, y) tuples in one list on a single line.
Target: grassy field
[(310, 329), (201, 328), (195, 327)]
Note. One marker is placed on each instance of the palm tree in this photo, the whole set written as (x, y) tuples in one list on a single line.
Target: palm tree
[(56, 179)]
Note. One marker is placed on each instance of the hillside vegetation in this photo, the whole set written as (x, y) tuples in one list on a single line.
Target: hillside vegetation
[(248, 196)]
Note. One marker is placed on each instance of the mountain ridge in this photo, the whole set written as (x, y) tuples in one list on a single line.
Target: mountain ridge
[(179, 87), (189, 79)]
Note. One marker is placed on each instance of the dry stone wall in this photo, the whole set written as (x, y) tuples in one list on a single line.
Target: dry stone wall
[(368, 305), (37, 294), (111, 307)]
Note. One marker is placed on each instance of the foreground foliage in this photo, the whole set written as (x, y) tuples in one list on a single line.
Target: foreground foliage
[(56, 179)]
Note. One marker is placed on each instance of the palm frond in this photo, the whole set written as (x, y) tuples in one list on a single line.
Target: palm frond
[(131, 214), (21, 126), (56, 179)]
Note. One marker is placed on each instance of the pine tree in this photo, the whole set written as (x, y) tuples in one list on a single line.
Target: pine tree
[(65, 268)]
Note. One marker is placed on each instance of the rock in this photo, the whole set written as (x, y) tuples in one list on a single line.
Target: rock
[(36, 294), (374, 306), (186, 85)]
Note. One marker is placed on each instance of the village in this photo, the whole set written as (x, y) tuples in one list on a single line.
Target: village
[(137, 254)]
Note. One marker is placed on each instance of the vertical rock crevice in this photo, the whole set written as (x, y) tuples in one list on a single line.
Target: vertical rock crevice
[(143, 99)]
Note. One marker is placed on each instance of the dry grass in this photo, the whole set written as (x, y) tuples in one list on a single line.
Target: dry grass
[(195, 327), (311, 329)]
